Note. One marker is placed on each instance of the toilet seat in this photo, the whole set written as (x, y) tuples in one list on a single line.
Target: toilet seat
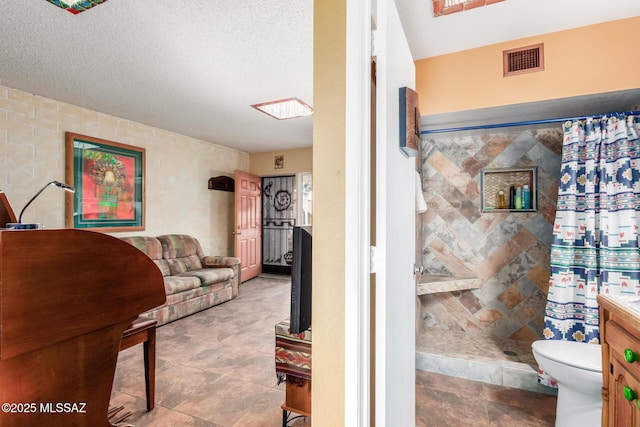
[(575, 354)]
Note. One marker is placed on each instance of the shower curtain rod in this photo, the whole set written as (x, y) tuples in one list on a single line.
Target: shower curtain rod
[(524, 123)]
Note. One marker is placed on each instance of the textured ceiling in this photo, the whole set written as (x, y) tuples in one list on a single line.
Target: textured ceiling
[(195, 66)]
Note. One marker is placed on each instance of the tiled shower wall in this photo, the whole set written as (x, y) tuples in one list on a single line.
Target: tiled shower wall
[(508, 251)]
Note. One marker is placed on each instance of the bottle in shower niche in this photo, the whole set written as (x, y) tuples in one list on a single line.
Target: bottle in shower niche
[(518, 202), (501, 200), (512, 197), (526, 197)]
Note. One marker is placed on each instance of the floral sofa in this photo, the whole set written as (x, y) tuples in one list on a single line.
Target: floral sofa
[(192, 281)]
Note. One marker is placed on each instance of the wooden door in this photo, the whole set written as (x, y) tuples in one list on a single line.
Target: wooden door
[(248, 224)]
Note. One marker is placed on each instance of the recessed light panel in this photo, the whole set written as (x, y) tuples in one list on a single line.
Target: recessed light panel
[(285, 108)]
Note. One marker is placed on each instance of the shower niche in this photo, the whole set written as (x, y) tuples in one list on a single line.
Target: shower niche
[(494, 181)]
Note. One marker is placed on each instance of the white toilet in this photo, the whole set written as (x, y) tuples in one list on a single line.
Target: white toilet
[(577, 368)]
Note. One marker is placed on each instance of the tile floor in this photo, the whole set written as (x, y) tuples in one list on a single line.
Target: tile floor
[(216, 369), (447, 401), (501, 362)]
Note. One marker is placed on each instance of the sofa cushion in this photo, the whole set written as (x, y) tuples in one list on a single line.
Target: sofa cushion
[(191, 301), (152, 248), (175, 284), (163, 266), (180, 246), (210, 275), (182, 252), (182, 265), (193, 293)]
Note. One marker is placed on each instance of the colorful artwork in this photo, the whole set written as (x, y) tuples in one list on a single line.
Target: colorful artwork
[(76, 7), (108, 177)]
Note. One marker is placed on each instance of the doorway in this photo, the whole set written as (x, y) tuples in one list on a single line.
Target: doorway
[(278, 218)]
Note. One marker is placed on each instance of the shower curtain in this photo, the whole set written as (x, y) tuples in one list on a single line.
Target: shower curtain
[(595, 234)]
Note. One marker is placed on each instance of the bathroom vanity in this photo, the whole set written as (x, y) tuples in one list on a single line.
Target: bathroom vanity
[(620, 338)]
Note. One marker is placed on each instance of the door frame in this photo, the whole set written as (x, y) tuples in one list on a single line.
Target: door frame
[(270, 268), (357, 310)]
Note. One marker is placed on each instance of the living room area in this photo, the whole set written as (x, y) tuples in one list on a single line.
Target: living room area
[(177, 199), (215, 367)]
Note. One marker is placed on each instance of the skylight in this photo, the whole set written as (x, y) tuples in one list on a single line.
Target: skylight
[(285, 108), (445, 7)]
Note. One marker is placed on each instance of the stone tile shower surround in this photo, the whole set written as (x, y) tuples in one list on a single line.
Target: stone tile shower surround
[(508, 251)]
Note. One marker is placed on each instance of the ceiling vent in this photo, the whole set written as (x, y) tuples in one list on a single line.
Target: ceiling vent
[(526, 59)]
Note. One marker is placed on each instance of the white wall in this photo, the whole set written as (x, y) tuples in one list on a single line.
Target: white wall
[(395, 230), (32, 153)]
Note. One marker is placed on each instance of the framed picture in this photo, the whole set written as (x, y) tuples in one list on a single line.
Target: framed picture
[(278, 162), (109, 182), (409, 122)]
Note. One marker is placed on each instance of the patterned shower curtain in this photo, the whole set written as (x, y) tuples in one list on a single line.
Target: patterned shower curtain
[(595, 234)]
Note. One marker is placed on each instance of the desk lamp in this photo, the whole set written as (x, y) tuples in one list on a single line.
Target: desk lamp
[(19, 225)]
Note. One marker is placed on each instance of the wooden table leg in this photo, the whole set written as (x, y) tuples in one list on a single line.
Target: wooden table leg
[(144, 331), (150, 367)]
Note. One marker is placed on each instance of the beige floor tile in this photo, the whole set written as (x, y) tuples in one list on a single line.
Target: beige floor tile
[(216, 369)]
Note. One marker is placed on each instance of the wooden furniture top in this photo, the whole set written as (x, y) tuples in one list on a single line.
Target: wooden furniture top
[(621, 310), (6, 211), (66, 297)]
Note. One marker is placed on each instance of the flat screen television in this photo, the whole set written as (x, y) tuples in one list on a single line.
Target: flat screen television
[(300, 318)]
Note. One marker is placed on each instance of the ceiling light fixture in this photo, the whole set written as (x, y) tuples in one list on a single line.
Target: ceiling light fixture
[(76, 6), (285, 108)]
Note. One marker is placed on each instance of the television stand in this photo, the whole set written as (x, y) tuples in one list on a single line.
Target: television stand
[(298, 400), (293, 365)]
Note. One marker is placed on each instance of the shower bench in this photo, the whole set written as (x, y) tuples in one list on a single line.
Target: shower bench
[(433, 283)]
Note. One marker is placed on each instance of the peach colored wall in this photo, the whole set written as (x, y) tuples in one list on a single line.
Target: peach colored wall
[(32, 149), (329, 64), (594, 59), (297, 160)]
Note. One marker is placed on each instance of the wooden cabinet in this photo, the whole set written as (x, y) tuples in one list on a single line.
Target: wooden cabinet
[(620, 337), (623, 412)]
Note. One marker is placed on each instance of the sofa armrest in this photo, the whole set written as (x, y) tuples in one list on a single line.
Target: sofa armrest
[(225, 262)]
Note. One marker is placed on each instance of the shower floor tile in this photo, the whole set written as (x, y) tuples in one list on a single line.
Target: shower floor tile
[(460, 354), (467, 346)]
